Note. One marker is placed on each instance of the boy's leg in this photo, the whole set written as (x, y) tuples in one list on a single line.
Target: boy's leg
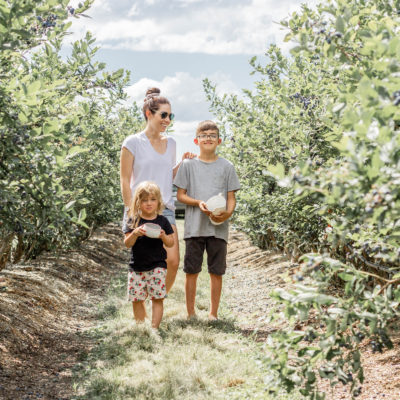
[(157, 312), (192, 267), (216, 260), (190, 291), (139, 311), (216, 288)]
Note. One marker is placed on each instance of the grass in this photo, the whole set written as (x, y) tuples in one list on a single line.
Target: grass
[(194, 359)]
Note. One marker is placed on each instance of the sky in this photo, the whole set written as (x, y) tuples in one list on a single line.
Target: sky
[(175, 44)]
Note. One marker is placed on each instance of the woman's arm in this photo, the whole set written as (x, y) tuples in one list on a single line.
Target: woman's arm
[(125, 173)]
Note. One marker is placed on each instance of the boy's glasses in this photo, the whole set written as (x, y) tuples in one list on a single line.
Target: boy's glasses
[(205, 137), (164, 115)]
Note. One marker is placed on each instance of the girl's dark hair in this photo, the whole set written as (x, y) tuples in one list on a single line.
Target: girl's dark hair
[(153, 100)]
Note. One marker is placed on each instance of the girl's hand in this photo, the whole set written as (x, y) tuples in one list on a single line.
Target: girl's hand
[(162, 234), (188, 154), (203, 208), (139, 231)]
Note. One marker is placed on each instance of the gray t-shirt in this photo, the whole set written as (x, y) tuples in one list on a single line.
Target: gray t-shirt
[(203, 180)]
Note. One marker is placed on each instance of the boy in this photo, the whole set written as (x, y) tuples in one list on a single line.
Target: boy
[(197, 180)]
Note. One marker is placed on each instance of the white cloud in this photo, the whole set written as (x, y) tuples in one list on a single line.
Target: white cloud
[(133, 11), (189, 27), (185, 92)]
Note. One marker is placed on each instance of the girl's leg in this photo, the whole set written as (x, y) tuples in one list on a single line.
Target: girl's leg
[(216, 288), (157, 312), (190, 291), (139, 311), (172, 261)]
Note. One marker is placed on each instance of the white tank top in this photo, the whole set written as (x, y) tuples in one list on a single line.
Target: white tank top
[(149, 165)]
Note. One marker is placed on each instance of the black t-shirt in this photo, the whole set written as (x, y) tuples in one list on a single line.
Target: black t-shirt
[(148, 253)]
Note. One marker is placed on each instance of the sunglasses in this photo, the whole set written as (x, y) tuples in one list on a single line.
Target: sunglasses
[(164, 115)]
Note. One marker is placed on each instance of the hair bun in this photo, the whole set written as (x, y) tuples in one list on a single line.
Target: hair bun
[(152, 92)]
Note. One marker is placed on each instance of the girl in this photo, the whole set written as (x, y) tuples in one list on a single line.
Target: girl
[(147, 266), (151, 156)]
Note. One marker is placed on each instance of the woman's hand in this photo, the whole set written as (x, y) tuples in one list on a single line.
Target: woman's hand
[(188, 154)]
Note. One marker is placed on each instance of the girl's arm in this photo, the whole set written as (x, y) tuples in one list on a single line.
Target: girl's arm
[(188, 154), (168, 240), (131, 237), (126, 169)]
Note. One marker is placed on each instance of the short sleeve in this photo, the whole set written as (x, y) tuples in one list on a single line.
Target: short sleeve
[(130, 144), (167, 226), (233, 180), (181, 178), (126, 227)]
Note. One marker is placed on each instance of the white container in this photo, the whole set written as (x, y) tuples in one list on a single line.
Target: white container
[(152, 230), (216, 205)]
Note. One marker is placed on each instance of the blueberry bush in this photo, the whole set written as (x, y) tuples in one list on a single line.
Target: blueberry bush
[(62, 121), (316, 145)]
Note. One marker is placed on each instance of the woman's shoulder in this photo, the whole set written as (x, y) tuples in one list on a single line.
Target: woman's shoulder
[(131, 142), (134, 137)]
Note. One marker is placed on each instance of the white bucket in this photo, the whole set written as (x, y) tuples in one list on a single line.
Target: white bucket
[(152, 230), (216, 205)]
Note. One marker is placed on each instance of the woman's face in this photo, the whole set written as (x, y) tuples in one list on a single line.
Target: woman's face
[(157, 121)]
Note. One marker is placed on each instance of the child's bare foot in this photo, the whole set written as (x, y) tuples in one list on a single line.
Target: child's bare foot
[(191, 317), (212, 317)]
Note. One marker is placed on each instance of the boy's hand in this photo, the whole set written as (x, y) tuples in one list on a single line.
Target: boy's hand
[(203, 208), (221, 216), (162, 234)]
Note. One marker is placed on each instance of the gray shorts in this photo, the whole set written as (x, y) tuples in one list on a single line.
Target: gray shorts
[(216, 255)]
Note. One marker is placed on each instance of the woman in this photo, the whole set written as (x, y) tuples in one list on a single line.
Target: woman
[(151, 156)]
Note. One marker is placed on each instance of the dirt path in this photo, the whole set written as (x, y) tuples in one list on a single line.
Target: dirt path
[(253, 273), (46, 304)]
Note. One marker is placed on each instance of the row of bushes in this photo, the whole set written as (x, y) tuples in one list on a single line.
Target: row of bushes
[(61, 125), (316, 145)]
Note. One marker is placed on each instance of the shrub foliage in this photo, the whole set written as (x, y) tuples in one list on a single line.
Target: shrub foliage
[(316, 145), (61, 125)]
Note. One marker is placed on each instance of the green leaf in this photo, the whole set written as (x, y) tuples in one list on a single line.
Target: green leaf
[(33, 87), (70, 204), (277, 170), (340, 24), (82, 214)]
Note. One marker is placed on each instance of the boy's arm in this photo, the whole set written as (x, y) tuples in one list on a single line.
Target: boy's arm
[(182, 196), (230, 208)]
